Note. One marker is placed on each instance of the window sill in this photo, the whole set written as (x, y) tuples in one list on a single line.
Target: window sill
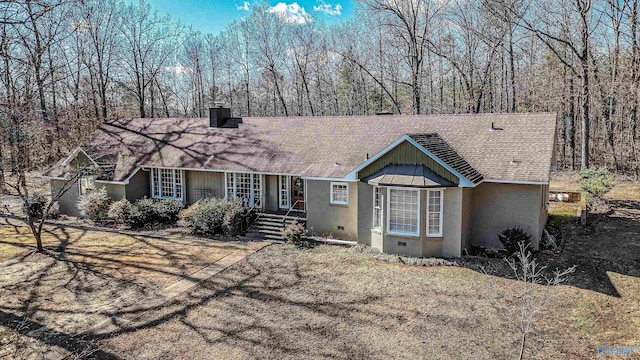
[(339, 204), (416, 236)]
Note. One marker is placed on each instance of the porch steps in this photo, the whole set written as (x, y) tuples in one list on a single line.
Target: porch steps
[(270, 226)]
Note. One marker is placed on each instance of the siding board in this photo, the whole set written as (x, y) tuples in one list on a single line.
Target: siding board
[(406, 153)]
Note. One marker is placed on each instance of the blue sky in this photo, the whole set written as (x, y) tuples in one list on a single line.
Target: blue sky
[(212, 16)]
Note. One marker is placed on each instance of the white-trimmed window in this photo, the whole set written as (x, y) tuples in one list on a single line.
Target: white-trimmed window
[(339, 193), (404, 207), (377, 207), (86, 184), (247, 187), (434, 213), (167, 184), (285, 193)]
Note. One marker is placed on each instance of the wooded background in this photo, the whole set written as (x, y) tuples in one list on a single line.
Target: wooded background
[(67, 66)]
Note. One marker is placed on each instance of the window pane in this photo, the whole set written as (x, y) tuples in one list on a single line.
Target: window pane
[(284, 191), (230, 183), (178, 175), (243, 187), (257, 187), (166, 178), (434, 221), (339, 193), (403, 210), (156, 182), (377, 207)]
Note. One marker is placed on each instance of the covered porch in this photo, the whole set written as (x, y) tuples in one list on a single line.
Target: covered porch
[(271, 193)]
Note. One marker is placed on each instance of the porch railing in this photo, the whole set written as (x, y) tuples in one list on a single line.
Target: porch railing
[(252, 214), (292, 208)]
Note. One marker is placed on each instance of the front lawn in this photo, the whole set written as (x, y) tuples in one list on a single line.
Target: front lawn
[(85, 276)]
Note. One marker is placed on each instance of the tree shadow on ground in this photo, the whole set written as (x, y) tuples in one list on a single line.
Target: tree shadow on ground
[(609, 246), (89, 271)]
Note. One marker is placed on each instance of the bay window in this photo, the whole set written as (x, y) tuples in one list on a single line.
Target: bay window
[(404, 207), (434, 213), (167, 184)]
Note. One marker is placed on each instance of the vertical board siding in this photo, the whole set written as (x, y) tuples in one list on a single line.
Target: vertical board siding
[(407, 153), (213, 181)]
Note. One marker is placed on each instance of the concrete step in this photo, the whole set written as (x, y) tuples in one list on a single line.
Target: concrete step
[(270, 232), (268, 227)]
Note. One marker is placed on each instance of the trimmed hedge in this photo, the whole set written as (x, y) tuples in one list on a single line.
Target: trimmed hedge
[(217, 216), (146, 211)]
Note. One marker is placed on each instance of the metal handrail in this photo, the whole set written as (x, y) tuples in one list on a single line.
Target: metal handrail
[(293, 207), (253, 207)]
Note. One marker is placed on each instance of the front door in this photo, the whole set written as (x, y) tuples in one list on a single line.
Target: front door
[(297, 193)]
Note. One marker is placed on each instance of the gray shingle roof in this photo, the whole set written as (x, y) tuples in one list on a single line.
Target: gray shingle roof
[(326, 146), (440, 148)]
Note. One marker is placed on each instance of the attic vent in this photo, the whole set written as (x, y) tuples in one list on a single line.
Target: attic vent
[(494, 128)]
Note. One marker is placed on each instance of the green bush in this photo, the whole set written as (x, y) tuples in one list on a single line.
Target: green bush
[(296, 234), (147, 211), (34, 206), (595, 183), (167, 210), (233, 218), (512, 237), (120, 211), (54, 211), (216, 216), (95, 204)]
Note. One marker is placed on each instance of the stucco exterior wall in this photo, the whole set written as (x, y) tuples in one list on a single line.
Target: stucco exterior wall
[(139, 186), (497, 206), (68, 201), (365, 213), (209, 180), (324, 218), (466, 229)]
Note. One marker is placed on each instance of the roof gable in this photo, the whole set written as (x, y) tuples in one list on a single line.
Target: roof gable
[(407, 151)]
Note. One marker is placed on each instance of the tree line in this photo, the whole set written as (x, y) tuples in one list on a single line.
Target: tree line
[(68, 65)]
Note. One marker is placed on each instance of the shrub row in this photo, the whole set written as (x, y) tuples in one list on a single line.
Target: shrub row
[(145, 211)]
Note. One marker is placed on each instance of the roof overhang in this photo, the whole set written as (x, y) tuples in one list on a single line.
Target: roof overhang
[(353, 175), (405, 175)]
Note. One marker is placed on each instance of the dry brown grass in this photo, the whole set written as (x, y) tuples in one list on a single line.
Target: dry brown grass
[(88, 275), (330, 302)]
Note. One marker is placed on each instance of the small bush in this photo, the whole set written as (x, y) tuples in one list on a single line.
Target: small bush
[(208, 217), (186, 215), (147, 211), (94, 204), (120, 210), (215, 216), (296, 234), (34, 206), (512, 237), (595, 183), (233, 218), (167, 210), (54, 211)]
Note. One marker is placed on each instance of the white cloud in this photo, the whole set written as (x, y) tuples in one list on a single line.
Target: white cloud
[(291, 13), (243, 7), (331, 10), (178, 69)]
